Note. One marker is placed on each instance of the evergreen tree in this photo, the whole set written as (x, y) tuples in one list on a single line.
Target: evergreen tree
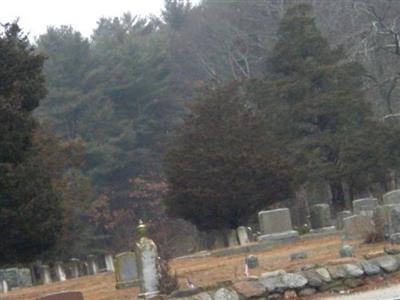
[(314, 99), (30, 213), (223, 166), (175, 12)]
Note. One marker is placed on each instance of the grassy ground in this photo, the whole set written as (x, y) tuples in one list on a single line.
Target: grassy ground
[(209, 270)]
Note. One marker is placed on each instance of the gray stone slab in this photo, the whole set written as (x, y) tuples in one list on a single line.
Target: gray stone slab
[(340, 216), (358, 227), (232, 238), (282, 236), (126, 270), (16, 277), (320, 216), (275, 221), (365, 206), (392, 197)]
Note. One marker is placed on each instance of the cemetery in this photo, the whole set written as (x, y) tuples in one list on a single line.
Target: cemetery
[(335, 256)]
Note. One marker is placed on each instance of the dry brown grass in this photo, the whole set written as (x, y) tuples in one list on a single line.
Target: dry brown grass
[(208, 270)]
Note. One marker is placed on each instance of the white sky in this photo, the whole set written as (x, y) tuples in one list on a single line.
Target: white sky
[(35, 15)]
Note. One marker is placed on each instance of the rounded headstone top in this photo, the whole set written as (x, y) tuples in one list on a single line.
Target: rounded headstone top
[(321, 205), (274, 210)]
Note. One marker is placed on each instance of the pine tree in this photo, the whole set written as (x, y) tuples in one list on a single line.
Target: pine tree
[(223, 165), (314, 98), (30, 213)]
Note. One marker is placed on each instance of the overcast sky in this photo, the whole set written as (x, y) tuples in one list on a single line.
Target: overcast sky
[(35, 15)]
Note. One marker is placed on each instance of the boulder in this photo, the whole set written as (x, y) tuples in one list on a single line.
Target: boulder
[(294, 280), (226, 294), (275, 297), (290, 295), (387, 263), (249, 288), (313, 278), (333, 285), (185, 293), (353, 282), (337, 272), (369, 269), (352, 271), (200, 296), (324, 274), (392, 251), (307, 292), (273, 283)]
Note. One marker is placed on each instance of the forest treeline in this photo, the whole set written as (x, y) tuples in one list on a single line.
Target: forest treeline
[(207, 113)]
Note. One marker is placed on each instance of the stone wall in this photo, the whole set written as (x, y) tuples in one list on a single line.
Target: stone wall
[(306, 281)]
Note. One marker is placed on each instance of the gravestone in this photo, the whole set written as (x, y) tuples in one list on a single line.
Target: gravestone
[(218, 238), (232, 238), (392, 198), (69, 295), (74, 267), (45, 274), (109, 261), (392, 120), (340, 216), (357, 227), (126, 270), (395, 220), (93, 269), (243, 235), (147, 258), (276, 225), (383, 220), (4, 287), (320, 218), (59, 271), (16, 277), (365, 206)]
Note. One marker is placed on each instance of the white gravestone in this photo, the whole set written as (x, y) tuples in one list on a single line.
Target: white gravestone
[(276, 225), (232, 238), (74, 267), (109, 260), (4, 287), (93, 269), (243, 235), (45, 273), (59, 271), (147, 259)]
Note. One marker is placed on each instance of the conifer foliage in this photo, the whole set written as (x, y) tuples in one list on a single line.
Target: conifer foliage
[(316, 98), (224, 165)]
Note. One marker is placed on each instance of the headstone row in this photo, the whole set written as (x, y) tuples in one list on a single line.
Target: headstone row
[(370, 218)]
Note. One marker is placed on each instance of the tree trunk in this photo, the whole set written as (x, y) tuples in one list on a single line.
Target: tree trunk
[(338, 196)]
